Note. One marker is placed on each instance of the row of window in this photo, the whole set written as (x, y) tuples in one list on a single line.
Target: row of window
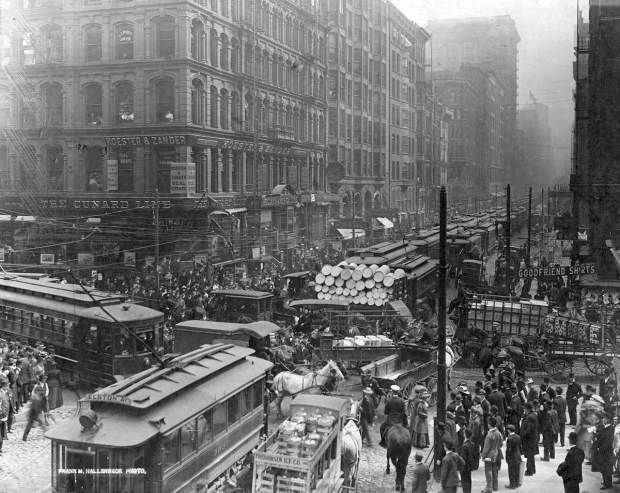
[(199, 432)]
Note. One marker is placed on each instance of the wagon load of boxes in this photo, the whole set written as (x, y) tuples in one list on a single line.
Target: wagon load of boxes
[(364, 341), (300, 437), (360, 284)]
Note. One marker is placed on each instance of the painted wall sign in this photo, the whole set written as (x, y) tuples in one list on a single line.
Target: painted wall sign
[(574, 330), (147, 140), (568, 270)]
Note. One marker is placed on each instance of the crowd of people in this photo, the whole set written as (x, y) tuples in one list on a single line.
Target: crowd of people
[(28, 377), (517, 413)]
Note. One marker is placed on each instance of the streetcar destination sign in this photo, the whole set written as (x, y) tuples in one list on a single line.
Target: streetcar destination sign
[(118, 399), (567, 270)]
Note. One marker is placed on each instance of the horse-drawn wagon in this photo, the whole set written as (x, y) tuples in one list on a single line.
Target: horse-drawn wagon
[(304, 454)]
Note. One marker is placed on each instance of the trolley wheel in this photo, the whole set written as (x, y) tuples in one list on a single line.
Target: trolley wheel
[(558, 370), (598, 364), (431, 385)]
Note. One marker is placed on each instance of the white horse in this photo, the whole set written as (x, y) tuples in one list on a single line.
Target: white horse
[(289, 383), (351, 445)]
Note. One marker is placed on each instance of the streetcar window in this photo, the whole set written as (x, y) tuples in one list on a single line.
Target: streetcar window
[(258, 394), (233, 409), (205, 431), (171, 450), (146, 341), (219, 419), (91, 336), (245, 401), (124, 345), (188, 438)]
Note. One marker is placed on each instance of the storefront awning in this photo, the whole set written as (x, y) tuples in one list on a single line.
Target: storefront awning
[(387, 224), (347, 234), (230, 211)]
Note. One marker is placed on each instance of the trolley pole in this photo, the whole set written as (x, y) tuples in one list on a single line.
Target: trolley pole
[(508, 240), (529, 228), (441, 310), (157, 242)]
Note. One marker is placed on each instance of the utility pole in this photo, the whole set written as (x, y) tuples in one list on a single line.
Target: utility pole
[(441, 310), (157, 241), (508, 239), (542, 223), (529, 227), (353, 209)]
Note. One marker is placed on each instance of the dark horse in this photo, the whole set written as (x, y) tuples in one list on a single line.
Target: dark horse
[(487, 357), (398, 442)]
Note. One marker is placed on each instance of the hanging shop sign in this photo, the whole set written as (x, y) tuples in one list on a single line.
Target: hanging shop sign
[(568, 270), (278, 200), (237, 145), (147, 140), (112, 174), (320, 197), (182, 178)]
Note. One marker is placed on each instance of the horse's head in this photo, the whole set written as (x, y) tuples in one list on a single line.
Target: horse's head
[(355, 411), (333, 369)]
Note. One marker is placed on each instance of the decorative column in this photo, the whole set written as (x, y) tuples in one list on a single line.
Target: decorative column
[(219, 168), (209, 176), (244, 180), (148, 35)]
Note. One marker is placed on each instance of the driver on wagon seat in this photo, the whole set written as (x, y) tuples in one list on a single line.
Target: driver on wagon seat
[(395, 411)]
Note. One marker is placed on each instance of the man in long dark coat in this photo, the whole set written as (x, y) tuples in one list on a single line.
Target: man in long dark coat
[(603, 453), (395, 411), (573, 393), (529, 438)]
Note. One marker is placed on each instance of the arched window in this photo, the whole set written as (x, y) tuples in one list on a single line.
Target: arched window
[(294, 36), (321, 94), (165, 37), (289, 118), (321, 130), (213, 52), (287, 75), (224, 52), (288, 26), (267, 122), (197, 111), (260, 115), (165, 101), (224, 109), (93, 159), (274, 69), (53, 103), (235, 8), (124, 102), (280, 71), (54, 163), (29, 51), (197, 35), (266, 65), (53, 44), (234, 56), (259, 63), (274, 24), (123, 38), (296, 134), (92, 38), (302, 125), (236, 111), (249, 59), (93, 104), (249, 113), (224, 7), (214, 107)]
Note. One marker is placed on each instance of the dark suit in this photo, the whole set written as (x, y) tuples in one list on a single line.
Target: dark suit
[(497, 398), (529, 440), (514, 450), (420, 478), (603, 453), (573, 393), (514, 412), (560, 406), (572, 472), (396, 413), (471, 458), (450, 466)]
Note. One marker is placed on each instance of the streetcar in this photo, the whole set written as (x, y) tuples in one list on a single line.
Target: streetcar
[(90, 345), (164, 430)]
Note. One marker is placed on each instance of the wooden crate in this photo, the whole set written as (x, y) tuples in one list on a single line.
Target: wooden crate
[(268, 482), (290, 485)]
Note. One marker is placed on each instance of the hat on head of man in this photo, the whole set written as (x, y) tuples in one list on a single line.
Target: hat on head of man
[(395, 388), (529, 381)]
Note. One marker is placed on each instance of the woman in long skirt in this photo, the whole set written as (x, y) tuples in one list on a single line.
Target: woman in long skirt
[(419, 432), (54, 383)]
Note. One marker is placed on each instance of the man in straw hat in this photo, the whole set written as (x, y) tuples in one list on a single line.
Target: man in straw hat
[(395, 411)]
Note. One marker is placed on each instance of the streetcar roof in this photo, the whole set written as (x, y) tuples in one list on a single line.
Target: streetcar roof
[(243, 293), (187, 386), (294, 275), (258, 329)]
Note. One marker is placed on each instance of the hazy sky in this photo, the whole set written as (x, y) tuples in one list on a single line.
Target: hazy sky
[(546, 52)]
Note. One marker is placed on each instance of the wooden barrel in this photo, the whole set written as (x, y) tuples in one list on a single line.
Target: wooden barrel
[(367, 273), (360, 285), (321, 296), (363, 300), (317, 288), (353, 292), (339, 281), (369, 283), (328, 296), (332, 289), (385, 269), (339, 290), (320, 278), (374, 267), (370, 301), (346, 291), (379, 276), (399, 273), (329, 281), (388, 281), (326, 270), (350, 283), (335, 271), (345, 273), (325, 289), (356, 275)]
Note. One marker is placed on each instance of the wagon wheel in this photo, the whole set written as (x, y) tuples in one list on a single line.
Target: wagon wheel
[(533, 362), (558, 370), (598, 364), (431, 385), (408, 394), (535, 345)]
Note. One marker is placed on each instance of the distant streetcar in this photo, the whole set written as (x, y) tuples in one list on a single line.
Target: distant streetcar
[(90, 346), (167, 428)]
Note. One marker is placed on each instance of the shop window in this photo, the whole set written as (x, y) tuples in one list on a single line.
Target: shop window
[(124, 41), (204, 428), (125, 159), (164, 156), (93, 104), (93, 43), (219, 418), (165, 38), (124, 102), (171, 451)]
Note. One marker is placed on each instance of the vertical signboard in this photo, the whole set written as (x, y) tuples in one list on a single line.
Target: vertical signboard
[(182, 178), (112, 174)]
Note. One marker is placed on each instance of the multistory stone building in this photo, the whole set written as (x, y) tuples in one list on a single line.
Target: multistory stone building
[(537, 150), (219, 105), (376, 95), (491, 44)]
